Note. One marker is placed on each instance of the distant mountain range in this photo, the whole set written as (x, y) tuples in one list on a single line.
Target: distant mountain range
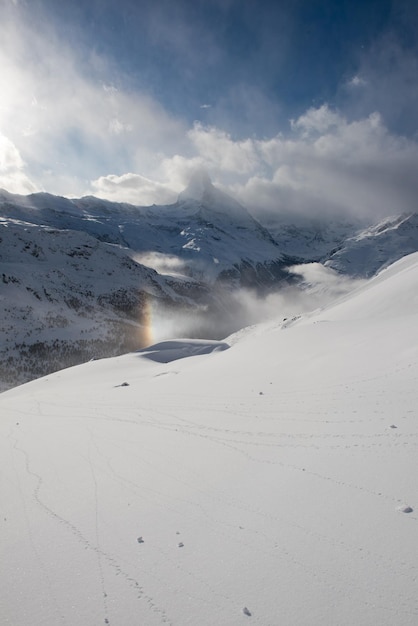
[(80, 278)]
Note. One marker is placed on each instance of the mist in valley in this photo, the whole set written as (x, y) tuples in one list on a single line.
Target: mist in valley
[(314, 287)]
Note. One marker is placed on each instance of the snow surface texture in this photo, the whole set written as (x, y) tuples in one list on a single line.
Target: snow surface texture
[(274, 482)]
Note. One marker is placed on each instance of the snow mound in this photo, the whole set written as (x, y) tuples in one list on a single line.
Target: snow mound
[(167, 351)]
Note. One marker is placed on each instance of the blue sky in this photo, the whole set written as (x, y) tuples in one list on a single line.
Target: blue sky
[(301, 105)]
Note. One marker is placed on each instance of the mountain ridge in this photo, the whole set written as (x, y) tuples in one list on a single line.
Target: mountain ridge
[(187, 259)]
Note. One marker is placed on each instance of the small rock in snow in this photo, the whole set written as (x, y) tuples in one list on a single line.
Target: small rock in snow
[(393, 426), (406, 509), (246, 611), (140, 540)]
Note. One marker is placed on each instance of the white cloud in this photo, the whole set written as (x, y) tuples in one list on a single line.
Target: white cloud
[(326, 164), (356, 81), (116, 127), (12, 175), (10, 158), (64, 114), (354, 167), (317, 120), (163, 263), (72, 128), (132, 188), (177, 170), (218, 149)]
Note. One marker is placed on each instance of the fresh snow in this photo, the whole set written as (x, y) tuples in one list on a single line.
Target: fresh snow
[(273, 482)]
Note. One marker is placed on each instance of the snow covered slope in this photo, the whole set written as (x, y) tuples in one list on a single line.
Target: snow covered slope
[(310, 238), (75, 286), (377, 246), (271, 482), (66, 297)]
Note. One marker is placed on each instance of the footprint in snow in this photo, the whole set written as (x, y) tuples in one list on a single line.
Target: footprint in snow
[(180, 544)]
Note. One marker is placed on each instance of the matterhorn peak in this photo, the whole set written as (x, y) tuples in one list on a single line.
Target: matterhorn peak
[(199, 186), (202, 195)]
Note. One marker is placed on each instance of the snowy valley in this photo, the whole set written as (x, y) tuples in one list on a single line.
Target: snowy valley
[(87, 278), (265, 477), (208, 313)]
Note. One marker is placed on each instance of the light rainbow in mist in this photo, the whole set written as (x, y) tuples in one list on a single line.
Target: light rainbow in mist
[(145, 334)]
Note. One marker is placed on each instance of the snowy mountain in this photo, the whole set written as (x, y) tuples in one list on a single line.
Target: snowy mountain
[(66, 297), (307, 238), (377, 246), (80, 277), (73, 287), (352, 247), (270, 482), (212, 235)]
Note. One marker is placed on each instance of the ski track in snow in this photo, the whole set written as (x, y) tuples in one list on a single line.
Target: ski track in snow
[(227, 437), (42, 568), (102, 555)]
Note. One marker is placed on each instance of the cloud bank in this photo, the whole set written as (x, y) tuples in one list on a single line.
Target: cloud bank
[(71, 123), (324, 164)]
